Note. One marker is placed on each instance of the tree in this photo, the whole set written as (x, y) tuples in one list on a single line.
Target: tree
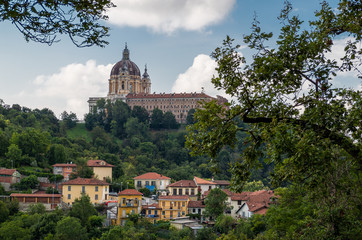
[(4, 212), (224, 223), (69, 228), (36, 208), (215, 204), (190, 116), (14, 155), (70, 119), (156, 119), (313, 136), (140, 113), (254, 186), (83, 209), (43, 21), (169, 121)]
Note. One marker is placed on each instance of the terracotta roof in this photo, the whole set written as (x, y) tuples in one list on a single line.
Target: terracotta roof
[(227, 191), (196, 204), (64, 165), (151, 175), (171, 197), (168, 95), (259, 201), (151, 206), (85, 181), (5, 171), (183, 183), (240, 196), (34, 195), (130, 192), (200, 181), (222, 182), (98, 163)]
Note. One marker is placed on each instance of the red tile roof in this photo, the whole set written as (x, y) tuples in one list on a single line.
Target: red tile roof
[(64, 165), (240, 196), (200, 181), (151, 175), (222, 182), (259, 201), (183, 183), (35, 195), (196, 204), (130, 192), (173, 197), (98, 163), (85, 181), (5, 171), (168, 95), (151, 206)]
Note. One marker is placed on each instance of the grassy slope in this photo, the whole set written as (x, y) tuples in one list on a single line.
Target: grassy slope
[(79, 131)]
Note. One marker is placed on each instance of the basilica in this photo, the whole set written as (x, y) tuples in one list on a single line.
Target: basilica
[(127, 84)]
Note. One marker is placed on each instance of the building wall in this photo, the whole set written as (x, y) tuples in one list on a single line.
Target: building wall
[(159, 184), (75, 192), (128, 204), (102, 172), (189, 191), (173, 208), (205, 188), (153, 215)]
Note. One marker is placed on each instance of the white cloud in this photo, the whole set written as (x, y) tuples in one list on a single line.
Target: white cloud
[(70, 88), (167, 16), (198, 76)]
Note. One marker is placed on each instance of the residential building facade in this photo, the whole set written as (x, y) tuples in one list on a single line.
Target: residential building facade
[(184, 188), (129, 202), (173, 206), (151, 180), (102, 170), (64, 169), (97, 190), (152, 212)]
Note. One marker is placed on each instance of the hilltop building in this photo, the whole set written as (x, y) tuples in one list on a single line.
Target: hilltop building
[(127, 84)]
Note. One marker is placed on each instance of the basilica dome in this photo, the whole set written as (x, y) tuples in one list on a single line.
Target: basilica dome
[(126, 65)]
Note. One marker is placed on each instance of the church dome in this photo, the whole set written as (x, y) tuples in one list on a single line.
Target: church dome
[(126, 65)]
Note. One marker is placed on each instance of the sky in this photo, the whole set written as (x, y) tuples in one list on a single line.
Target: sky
[(173, 37)]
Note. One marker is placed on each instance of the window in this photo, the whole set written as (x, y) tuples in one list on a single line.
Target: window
[(69, 196), (106, 189), (163, 212), (83, 189), (163, 204), (187, 191), (183, 204), (96, 188), (193, 210), (180, 191), (183, 213), (153, 183), (156, 212), (69, 188), (147, 183), (174, 191), (96, 197), (139, 183), (192, 191), (149, 212), (239, 202)]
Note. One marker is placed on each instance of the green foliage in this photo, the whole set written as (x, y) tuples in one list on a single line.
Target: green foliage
[(206, 234), (215, 204), (37, 208), (14, 230), (224, 223), (83, 209), (44, 21), (30, 182), (70, 228), (4, 212), (318, 148), (146, 192), (254, 186), (70, 120)]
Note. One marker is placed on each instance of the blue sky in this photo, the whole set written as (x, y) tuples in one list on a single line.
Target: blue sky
[(173, 37)]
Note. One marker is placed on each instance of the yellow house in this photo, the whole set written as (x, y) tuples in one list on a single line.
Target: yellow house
[(129, 202), (97, 190), (184, 187), (152, 212), (101, 169), (173, 206)]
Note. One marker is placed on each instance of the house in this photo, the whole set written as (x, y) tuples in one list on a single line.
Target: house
[(97, 190), (152, 180), (196, 210), (204, 185), (102, 170), (152, 212), (222, 184), (50, 201), (8, 177), (256, 203), (236, 201), (64, 169), (173, 206), (184, 188), (129, 202)]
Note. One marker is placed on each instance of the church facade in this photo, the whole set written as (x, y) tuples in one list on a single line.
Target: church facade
[(127, 84)]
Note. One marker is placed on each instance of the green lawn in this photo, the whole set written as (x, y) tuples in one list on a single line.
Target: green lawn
[(79, 131)]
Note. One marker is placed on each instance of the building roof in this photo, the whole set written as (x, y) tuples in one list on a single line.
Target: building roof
[(200, 181), (151, 176), (5, 171), (126, 65), (151, 206), (240, 196), (130, 192), (98, 163), (35, 195), (173, 197), (85, 181), (258, 202), (64, 165), (227, 191), (196, 204), (222, 182), (167, 95), (183, 183)]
